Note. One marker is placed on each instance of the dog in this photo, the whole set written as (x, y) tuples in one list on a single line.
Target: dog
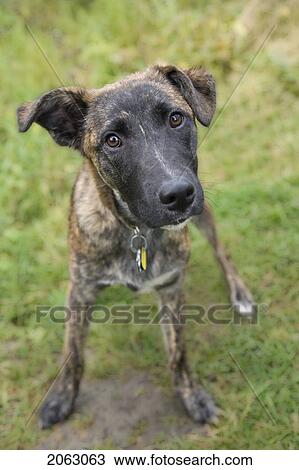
[(136, 190)]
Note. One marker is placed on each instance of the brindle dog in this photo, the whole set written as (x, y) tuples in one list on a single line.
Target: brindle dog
[(138, 138)]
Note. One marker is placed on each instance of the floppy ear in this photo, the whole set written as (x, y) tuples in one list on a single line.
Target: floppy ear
[(197, 87), (61, 111)]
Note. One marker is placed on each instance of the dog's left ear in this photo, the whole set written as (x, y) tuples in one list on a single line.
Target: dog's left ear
[(61, 112), (197, 87)]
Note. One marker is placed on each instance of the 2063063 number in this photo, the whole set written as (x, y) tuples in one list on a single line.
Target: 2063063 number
[(76, 459)]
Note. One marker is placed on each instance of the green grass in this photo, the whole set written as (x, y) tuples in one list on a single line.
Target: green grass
[(249, 163)]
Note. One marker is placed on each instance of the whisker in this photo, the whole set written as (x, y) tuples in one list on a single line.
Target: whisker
[(210, 202)]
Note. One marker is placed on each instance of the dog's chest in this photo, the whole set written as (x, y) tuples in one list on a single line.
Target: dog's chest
[(145, 283), (167, 257), (125, 271)]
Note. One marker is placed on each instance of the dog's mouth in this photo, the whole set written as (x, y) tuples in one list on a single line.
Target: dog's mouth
[(175, 224), (175, 221), (178, 224), (181, 220)]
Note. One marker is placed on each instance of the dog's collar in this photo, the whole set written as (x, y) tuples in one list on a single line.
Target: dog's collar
[(123, 212)]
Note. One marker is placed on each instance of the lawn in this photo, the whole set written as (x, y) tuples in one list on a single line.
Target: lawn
[(248, 164)]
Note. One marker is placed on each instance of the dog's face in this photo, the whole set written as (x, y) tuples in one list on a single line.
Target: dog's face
[(140, 134)]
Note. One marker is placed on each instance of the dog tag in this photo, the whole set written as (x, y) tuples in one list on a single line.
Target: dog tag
[(141, 259), (139, 247)]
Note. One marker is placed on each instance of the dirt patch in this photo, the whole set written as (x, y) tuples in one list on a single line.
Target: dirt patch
[(129, 412)]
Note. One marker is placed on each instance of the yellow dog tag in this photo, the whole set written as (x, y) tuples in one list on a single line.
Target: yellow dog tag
[(138, 246), (143, 260)]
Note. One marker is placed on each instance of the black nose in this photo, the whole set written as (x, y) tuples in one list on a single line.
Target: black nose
[(177, 194)]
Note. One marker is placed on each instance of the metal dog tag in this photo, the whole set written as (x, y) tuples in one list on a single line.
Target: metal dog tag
[(138, 246)]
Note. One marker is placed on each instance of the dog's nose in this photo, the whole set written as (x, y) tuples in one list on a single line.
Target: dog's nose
[(177, 194)]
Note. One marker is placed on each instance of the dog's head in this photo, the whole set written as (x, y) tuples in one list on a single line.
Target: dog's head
[(140, 134)]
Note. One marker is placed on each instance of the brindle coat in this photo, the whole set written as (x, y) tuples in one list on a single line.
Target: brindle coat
[(116, 190)]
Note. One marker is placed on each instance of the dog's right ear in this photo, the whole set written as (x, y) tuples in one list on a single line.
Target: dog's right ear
[(61, 111)]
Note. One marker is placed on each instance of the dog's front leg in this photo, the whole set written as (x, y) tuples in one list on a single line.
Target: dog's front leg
[(240, 295), (60, 402), (198, 403)]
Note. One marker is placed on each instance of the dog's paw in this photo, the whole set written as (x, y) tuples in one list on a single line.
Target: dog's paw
[(245, 308), (242, 300), (56, 408), (200, 406)]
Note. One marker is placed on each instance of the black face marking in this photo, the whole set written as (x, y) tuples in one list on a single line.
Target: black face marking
[(158, 147)]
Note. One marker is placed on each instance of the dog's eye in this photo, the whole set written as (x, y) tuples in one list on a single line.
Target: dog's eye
[(176, 119), (113, 140)]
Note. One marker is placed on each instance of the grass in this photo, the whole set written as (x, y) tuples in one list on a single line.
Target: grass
[(249, 163)]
